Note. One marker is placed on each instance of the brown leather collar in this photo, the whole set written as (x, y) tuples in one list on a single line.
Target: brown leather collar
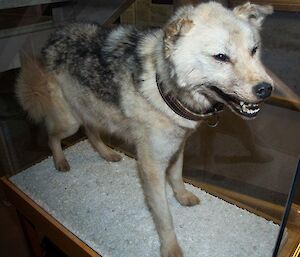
[(182, 110)]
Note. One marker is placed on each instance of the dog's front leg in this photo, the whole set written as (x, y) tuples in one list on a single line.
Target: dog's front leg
[(153, 160), (183, 196)]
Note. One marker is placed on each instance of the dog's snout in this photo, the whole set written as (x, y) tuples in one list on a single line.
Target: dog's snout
[(263, 90)]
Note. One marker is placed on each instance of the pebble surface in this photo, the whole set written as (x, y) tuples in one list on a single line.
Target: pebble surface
[(103, 204)]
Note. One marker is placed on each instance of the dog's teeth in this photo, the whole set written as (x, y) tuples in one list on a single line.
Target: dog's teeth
[(248, 108), (244, 108)]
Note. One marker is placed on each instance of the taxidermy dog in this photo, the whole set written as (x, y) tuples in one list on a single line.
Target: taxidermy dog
[(153, 87)]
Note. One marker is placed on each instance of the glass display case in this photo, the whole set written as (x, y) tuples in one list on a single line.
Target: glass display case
[(246, 169)]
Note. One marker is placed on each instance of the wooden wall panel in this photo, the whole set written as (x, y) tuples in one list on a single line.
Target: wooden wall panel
[(194, 2), (280, 5)]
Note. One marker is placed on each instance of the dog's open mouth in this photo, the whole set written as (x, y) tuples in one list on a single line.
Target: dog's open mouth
[(247, 110)]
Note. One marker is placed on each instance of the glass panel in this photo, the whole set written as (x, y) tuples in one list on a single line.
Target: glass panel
[(286, 217), (252, 163), (249, 164)]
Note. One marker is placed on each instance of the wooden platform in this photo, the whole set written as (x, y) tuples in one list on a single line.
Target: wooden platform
[(39, 226)]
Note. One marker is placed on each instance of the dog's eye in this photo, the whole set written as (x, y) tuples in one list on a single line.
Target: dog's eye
[(254, 50), (222, 57)]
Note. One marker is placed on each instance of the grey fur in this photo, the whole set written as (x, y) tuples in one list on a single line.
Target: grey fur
[(92, 60)]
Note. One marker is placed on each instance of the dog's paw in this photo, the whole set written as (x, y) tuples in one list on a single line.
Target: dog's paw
[(113, 157), (187, 198), (171, 250), (62, 165)]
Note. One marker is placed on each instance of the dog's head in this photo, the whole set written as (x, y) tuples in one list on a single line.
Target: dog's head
[(215, 55)]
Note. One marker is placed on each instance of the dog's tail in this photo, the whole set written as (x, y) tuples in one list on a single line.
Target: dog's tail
[(32, 89)]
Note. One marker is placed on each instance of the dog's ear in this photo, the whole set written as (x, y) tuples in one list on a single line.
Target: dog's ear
[(174, 30), (178, 27), (254, 13)]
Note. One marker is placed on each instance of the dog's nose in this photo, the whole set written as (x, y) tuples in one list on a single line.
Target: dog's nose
[(263, 90)]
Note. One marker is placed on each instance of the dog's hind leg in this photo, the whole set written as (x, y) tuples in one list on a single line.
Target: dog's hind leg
[(56, 132), (183, 196), (104, 151), (60, 123), (59, 158)]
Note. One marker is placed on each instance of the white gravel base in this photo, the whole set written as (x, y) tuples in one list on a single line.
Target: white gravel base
[(103, 204)]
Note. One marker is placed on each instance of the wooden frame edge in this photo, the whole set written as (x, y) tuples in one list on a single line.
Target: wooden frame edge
[(118, 12), (297, 251), (46, 224)]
